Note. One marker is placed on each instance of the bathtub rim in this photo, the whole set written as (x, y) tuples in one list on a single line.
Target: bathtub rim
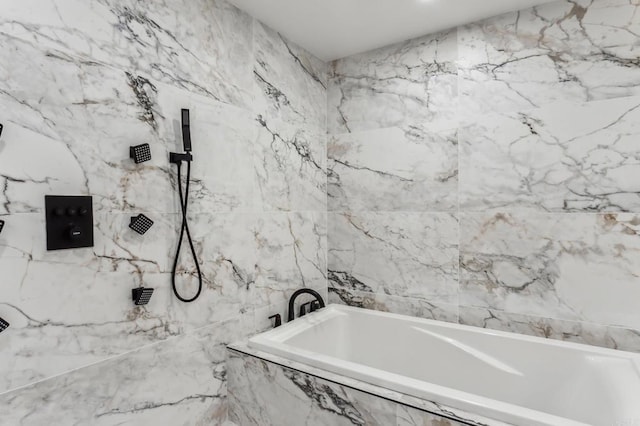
[(242, 348), (272, 341)]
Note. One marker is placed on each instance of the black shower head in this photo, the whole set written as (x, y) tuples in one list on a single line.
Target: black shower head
[(1, 225), (3, 325), (140, 153), (141, 295), (140, 224), (1, 127), (186, 131)]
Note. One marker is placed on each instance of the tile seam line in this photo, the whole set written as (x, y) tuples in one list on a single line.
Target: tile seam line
[(113, 357)]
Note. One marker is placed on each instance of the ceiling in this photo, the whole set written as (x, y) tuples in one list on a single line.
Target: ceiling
[(332, 29)]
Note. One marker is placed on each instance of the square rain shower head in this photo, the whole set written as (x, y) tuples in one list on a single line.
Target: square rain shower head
[(3, 325), (140, 153), (141, 295), (140, 224)]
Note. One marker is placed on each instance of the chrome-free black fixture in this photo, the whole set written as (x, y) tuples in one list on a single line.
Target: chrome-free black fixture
[(69, 221), (319, 300), (140, 224), (1, 224), (140, 153), (1, 127), (141, 295), (277, 320), (178, 159), (3, 325)]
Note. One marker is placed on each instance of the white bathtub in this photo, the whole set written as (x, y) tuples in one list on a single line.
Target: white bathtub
[(502, 376)]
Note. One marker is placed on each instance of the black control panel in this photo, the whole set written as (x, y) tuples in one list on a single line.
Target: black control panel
[(69, 221)]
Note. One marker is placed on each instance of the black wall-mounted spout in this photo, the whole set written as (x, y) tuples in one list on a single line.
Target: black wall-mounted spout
[(292, 300)]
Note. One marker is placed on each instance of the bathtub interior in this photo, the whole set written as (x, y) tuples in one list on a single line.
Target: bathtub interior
[(564, 380)]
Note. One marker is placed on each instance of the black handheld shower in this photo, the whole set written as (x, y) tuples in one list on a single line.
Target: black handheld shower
[(186, 132), (177, 159)]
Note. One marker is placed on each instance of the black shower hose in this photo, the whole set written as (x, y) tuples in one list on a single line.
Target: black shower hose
[(184, 199)]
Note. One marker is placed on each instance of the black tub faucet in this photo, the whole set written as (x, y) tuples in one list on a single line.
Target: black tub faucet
[(297, 293)]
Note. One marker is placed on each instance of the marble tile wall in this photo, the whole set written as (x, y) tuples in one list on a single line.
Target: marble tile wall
[(275, 391), (81, 81), (491, 174)]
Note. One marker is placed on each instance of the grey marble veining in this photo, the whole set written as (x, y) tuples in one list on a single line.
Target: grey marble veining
[(266, 389), (396, 253), (200, 46), (397, 86), (180, 381), (572, 331), (290, 107), (562, 157), (406, 169), (92, 109), (525, 125), (567, 50), (398, 305), (580, 267), (75, 308), (74, 95), (409, 416), (290, 83)]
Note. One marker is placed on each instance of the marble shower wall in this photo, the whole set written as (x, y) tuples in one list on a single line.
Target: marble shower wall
[(81, 81), (491, 174)]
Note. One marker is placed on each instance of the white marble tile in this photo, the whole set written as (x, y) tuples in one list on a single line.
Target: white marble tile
[(581, 267), (290, 149), (290, 83), (262, 393), (28, 172), (71, 308), (572, 331), (397, 86), (180, 381), (291, 252), (291, 166), (116, 247), (66, 316), (97, 112), (223, 139), (420, 308), (395, 253), (246, 364), (409, 416), (409, 169), (93, 157), (201, 46), (563, 157), (565, 50)]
